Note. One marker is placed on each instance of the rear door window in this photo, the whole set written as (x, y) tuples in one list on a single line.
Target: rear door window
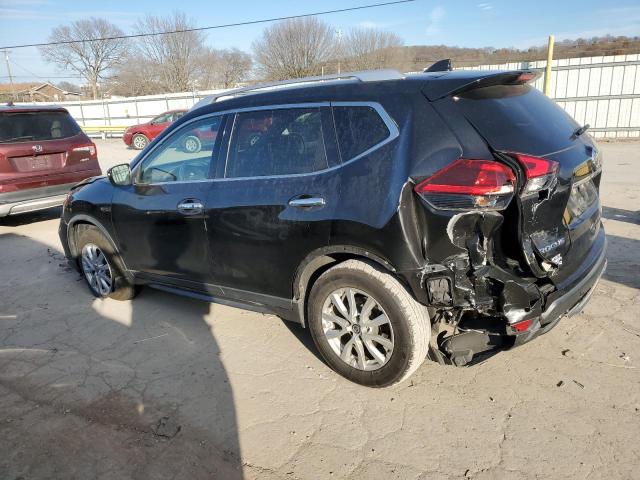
[(283, 141), (36, 126), (359, 128)]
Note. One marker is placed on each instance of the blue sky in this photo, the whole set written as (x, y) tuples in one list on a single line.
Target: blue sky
[(475, 23)]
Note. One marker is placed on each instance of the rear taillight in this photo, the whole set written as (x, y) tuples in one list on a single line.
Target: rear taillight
[(540, 172), (465, 184), (87, 151)]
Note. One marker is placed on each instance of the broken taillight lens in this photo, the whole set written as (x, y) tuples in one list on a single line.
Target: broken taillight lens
[(522, 325), (469, 184), (540, 172)]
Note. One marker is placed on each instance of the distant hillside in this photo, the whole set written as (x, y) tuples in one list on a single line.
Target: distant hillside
[(412, 58)]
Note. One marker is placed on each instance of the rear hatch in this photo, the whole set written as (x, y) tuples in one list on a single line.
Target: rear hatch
[(559, 211), (35, 145)]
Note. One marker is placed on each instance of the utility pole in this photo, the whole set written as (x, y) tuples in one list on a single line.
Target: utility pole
[(547, 70), (339, 45), (6, 59)]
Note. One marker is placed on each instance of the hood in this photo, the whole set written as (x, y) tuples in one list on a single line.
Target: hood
[(87, 181)]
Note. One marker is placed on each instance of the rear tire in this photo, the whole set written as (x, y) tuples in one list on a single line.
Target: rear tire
[(102, 267), (139, 141), (390, 330), (192, 144)]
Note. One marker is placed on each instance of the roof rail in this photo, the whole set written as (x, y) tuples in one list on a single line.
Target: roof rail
[(364, 76)]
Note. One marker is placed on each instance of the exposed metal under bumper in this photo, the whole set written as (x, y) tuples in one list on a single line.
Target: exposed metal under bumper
[(476, 345)]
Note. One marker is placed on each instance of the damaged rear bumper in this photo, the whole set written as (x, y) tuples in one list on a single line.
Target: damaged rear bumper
[(482, 333), (566, 303)]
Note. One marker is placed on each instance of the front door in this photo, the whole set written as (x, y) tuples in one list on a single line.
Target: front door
[(160, 220)]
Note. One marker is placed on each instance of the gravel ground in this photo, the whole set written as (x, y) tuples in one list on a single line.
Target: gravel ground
[(168, 387)]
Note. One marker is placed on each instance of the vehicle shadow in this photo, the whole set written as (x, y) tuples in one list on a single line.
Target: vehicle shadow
[(623, 255), (31, 217), (621, 215), (137, 389)]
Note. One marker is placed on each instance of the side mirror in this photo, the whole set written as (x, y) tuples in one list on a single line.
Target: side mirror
[(120, 175)]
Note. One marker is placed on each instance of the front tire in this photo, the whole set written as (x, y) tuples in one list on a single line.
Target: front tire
[(139, 141), (366, 325), (102, 267)]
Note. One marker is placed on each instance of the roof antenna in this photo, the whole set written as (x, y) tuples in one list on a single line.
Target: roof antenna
[(440, 66)]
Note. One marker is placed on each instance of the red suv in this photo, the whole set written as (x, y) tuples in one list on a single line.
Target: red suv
[(43, 153), (139, 136)]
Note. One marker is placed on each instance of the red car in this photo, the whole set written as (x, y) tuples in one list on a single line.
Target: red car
[(43, 153), (139, 136)]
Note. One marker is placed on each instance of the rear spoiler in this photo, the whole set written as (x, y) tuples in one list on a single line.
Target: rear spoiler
[(460, 81)]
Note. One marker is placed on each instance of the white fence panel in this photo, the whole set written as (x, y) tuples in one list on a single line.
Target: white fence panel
[(601, 91)]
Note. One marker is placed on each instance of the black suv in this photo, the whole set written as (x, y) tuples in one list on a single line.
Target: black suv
[(448, 214)]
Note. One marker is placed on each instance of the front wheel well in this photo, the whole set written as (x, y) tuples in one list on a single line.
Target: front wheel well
[(73, 234)]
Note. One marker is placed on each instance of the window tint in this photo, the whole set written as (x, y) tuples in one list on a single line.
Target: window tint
[(186, 155), (276, 142), (29, 126), (358, 129), (177, 115), (518, 118)]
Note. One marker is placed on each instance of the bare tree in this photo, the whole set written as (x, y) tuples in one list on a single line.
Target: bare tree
[(135, 76), (294, 48), (90, 57), (69, 87), (224, 68), (175, 56), (367, 48)]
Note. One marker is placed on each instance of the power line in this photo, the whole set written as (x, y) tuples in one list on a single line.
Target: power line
[(213, 27)]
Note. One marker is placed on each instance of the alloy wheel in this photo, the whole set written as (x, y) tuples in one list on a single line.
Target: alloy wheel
[(139, 142), (357, 329), (97, 270), (192, 144)]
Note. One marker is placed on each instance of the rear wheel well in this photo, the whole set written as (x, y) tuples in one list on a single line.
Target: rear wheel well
[(319, 264)]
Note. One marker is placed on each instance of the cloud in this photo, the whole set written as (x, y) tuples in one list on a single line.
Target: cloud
[(17, 14), (369, 24), (435, 19), (485, 6), (23, 3), (122, 17)]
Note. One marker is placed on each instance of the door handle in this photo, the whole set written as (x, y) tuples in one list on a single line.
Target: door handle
[(190, 206), (307, 202)]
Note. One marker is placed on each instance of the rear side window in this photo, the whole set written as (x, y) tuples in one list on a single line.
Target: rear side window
[(36, 126), (518, 118), (359, 128), (276, 142)]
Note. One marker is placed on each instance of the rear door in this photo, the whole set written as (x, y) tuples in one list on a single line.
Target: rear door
[(559, 224), (274, 202)]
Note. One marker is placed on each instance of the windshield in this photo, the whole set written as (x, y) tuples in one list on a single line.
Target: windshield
[(36, 126)]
